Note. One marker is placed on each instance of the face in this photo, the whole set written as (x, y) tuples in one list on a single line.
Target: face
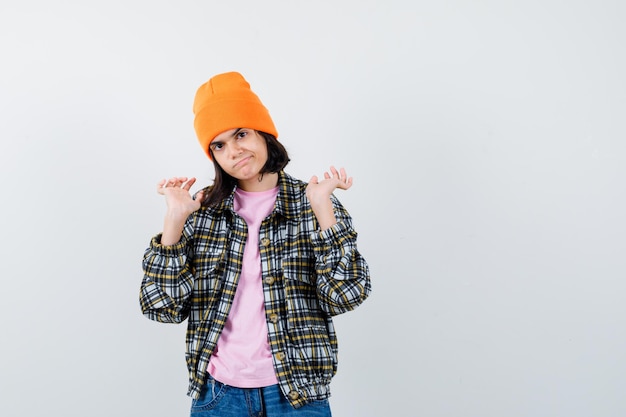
[(240, 152)]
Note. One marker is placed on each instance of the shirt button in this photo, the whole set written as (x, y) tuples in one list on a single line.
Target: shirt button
[(265, 241), (294, 395), (269, 280), (274, 318), (280, 356)]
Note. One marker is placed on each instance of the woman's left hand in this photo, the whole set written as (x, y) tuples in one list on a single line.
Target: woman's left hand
[(318, 191)]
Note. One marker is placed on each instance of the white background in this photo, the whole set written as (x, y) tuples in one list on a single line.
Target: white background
[(487, 144)]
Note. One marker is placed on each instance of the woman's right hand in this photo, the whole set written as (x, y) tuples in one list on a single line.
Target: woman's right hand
[(180, 204), (177, 196)]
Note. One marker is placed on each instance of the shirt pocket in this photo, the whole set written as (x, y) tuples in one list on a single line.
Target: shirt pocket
[(299, 269), (301, 302), (209, 276), (300, 291), (205, 299)]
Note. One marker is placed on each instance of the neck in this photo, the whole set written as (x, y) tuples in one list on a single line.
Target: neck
[(261, 183)]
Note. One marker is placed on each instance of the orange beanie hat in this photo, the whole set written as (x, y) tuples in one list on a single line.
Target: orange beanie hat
[(226, 102)]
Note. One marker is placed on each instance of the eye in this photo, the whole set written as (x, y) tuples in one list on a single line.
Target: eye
[(241, 134), (216, 146)]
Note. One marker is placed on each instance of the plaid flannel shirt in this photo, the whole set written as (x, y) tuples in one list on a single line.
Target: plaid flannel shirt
[(308, 276)]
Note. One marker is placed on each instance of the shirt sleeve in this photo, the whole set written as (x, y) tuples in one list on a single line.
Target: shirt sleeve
[(168, 281), (343, 278)]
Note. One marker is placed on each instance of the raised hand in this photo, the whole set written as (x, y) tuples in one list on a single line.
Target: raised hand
[(318, 193), (177, 196), (180, 204), (318, 190)]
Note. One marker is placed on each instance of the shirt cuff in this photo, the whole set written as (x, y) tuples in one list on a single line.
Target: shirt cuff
[(336, 235), (177, 249)]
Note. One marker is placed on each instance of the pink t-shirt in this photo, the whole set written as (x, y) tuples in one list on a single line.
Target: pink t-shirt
[(242, 357)]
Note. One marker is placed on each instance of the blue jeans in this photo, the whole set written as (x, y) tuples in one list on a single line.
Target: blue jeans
[(217, 399)]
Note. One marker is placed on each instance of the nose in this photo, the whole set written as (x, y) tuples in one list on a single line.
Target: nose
[(235, 150)]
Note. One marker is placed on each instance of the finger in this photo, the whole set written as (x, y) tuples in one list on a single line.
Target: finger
[(199, 196), (326, 175), (187, 185), (342, 173), (161, 187), (176, 181), (345, 184), (334, 171), (313, 180)]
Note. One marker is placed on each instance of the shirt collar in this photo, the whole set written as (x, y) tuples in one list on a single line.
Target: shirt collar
[(291, 195)]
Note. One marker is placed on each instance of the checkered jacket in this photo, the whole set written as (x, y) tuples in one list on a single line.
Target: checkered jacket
[(308, 276)]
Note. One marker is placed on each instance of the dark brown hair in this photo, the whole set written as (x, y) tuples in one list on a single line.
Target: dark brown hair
[(223, 184)]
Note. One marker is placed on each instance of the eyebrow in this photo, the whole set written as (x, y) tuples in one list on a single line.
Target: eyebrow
[(233, 135)]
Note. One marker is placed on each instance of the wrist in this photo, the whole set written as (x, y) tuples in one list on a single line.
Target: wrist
[(324, 213), (173, 228), (176, 216)]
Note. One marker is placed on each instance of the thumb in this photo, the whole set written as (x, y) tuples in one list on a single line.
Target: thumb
[(199, 195)]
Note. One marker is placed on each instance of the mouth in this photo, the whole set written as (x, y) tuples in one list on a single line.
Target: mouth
[(242, 161)]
